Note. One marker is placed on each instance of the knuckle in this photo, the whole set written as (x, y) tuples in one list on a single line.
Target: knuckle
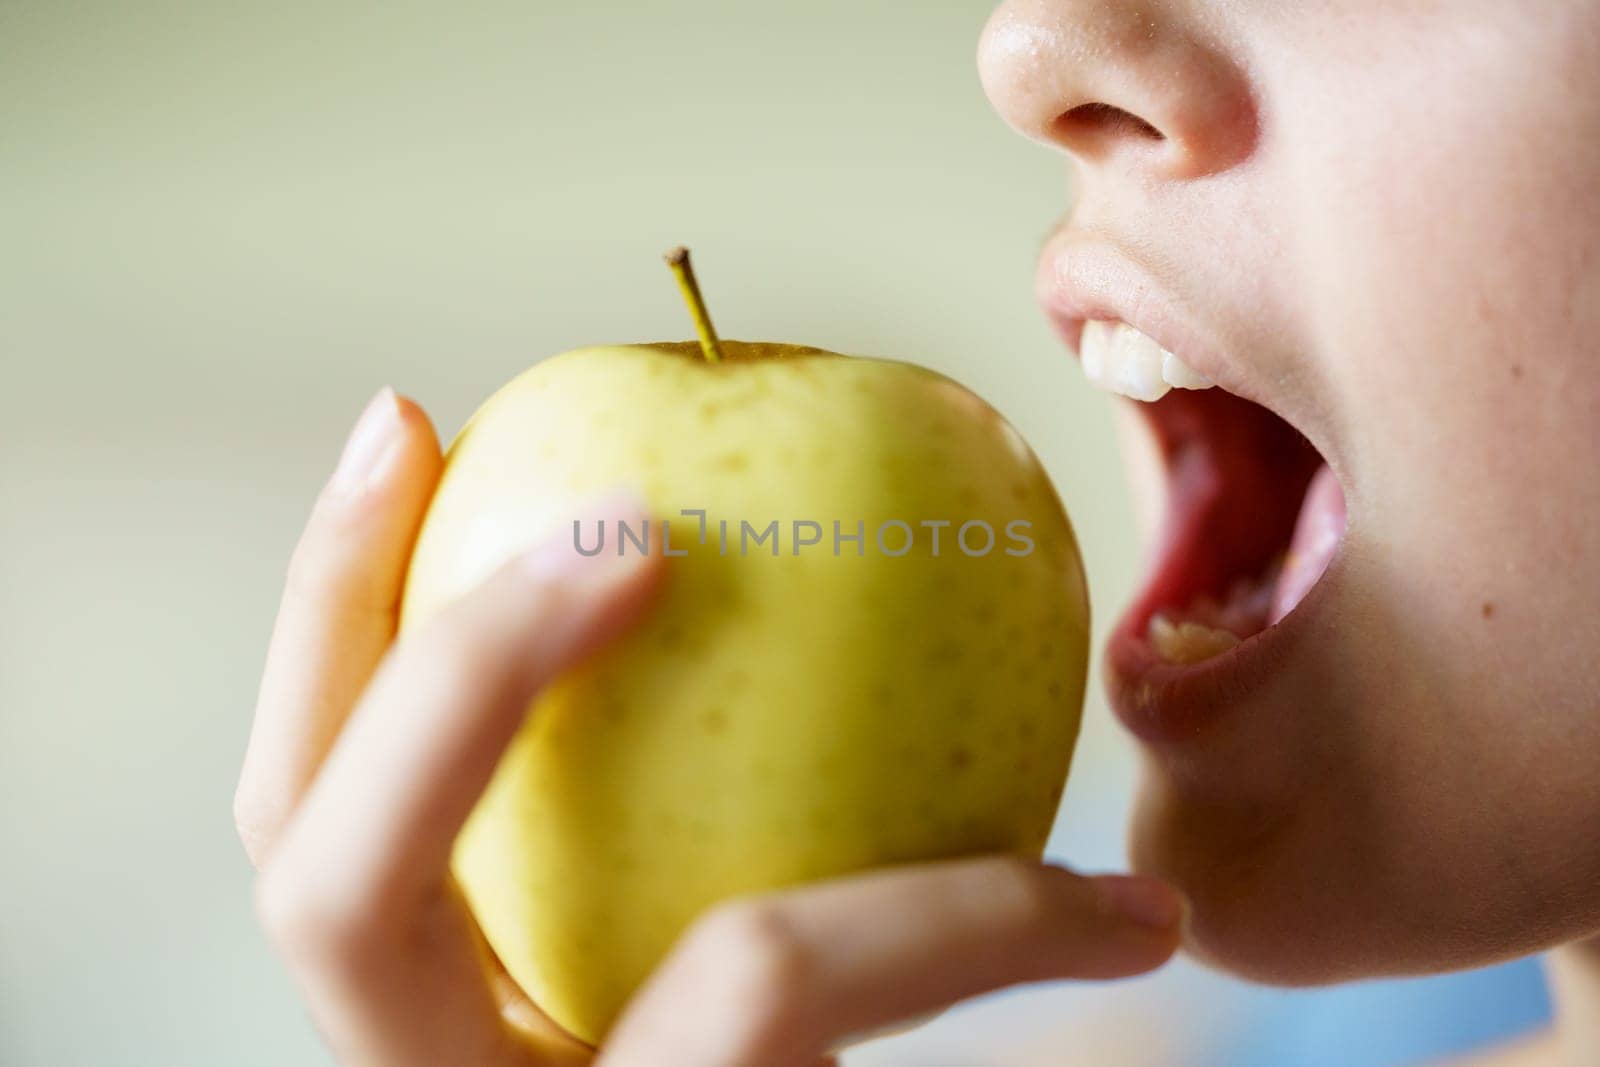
[(759, 936), (762, 964), (311, 565), (311, 927), (458, 660), (1022, 888), (327, 565), (469, 647)]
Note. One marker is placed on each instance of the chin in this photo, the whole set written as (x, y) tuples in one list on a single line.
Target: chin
[(1258, 909), (1313, 856)]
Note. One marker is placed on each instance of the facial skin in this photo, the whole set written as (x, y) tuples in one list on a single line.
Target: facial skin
[(1381, 220)]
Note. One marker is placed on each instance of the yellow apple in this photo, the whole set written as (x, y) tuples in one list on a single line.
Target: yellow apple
[(792, 708)]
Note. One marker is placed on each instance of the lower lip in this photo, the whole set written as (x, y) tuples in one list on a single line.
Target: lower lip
[(1164, 703)]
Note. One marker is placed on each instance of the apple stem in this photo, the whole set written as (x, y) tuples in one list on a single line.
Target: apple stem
[(683, 270)]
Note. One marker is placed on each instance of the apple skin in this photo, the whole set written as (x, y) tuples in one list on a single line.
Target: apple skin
[(774, 720)]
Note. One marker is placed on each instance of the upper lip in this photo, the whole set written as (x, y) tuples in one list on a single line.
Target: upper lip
[(1083, 277)]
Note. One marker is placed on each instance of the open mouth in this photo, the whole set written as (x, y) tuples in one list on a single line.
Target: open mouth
[(1247, 559), (1253, 518)]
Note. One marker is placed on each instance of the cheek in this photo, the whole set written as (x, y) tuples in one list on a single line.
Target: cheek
[(1450, 237)]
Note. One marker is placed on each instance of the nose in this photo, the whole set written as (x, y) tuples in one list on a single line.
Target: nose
[(1130, 81)]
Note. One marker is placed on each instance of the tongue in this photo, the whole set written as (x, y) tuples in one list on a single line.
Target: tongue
[(1316, 537)]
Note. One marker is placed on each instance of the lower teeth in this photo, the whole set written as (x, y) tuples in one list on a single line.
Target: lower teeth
[(1188, 642), (1207, 628)]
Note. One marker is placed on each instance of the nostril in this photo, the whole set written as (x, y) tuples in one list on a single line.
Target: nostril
[(1099, 121)]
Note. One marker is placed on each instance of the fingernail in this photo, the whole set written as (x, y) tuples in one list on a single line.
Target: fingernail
[(369, 443), (1145, 901), (592, 541)]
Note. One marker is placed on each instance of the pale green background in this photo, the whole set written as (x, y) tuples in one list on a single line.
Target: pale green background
[(222, 228)]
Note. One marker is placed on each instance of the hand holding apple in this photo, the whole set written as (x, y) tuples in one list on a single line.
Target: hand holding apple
[(364, 762)]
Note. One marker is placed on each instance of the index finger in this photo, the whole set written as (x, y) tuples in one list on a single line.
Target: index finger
[(378, 824)]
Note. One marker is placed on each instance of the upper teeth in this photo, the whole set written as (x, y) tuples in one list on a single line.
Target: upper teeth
[(1117, 357)]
